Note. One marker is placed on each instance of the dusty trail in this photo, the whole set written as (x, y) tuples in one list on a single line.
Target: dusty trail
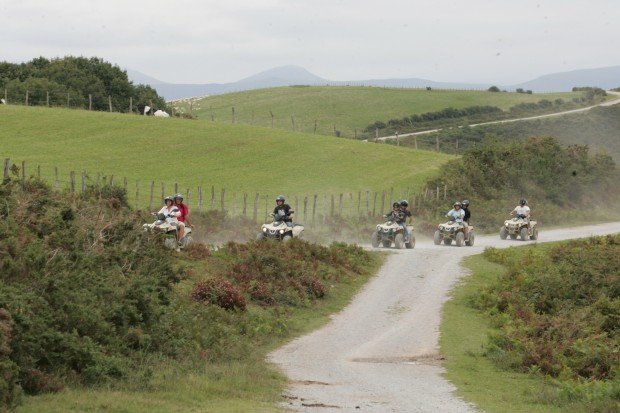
[(380, 353)]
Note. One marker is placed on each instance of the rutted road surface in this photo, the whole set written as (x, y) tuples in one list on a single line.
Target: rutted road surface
[(381, 354)]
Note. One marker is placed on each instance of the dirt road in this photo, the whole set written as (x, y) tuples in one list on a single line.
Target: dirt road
[(549, 115), (380, 354)]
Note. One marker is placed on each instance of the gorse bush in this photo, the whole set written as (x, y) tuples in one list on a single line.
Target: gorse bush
[(78, 280), (557, 312)]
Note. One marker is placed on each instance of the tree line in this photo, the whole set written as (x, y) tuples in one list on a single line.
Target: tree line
[(73, 81)]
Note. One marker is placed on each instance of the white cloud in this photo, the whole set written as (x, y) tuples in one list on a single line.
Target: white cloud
[(209, 41)]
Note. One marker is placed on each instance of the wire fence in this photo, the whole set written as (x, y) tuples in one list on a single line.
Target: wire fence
[(312, 208)]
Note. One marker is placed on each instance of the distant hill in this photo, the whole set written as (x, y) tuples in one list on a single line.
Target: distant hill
[(605, 78)]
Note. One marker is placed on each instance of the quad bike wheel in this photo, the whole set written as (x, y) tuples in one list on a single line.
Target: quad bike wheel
[(187, 240), (374, 239), (472, 238), (524, 234), (386, 243), (411, 243), (503, 233), (460, 239), (447, 241), (260, 236), (399, 241), (287, 238), (437, 238), (534, 235)]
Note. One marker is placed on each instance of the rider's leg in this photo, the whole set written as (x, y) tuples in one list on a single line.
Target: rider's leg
[(405, 232), (181, 231)]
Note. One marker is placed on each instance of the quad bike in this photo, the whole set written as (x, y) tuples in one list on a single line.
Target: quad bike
[(279, 230), (170, 231), (519, 226), (453, 231), (392, 232)]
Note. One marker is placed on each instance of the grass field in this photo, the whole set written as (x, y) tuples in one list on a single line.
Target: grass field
[(347, 108), (241, 158)]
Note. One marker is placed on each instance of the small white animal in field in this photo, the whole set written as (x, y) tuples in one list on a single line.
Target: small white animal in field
[(2, 102), (161, 114)]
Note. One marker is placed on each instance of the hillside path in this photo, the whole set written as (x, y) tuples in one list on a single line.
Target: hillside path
[(549, 115), (381, 354)]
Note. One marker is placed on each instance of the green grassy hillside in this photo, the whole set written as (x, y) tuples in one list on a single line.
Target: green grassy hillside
[(347, 108), (240, 158)]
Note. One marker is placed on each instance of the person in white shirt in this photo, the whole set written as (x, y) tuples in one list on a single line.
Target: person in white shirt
[(171, 213), (522, 210), (457, 214)]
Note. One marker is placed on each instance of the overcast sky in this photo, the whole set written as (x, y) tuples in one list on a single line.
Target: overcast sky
[(500, 41)]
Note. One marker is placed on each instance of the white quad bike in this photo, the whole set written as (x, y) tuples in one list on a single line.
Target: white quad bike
[(392, 232), (279, 230), (453, 231), (170, 231), (518, 226)]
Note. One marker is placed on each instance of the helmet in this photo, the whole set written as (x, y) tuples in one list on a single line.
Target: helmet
[(404, 203), (169, 198), (465, 203), (178, 196), (457, 203), (280, 198), (523, 201), (395, 205)]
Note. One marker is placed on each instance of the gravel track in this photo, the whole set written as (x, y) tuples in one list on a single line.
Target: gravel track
[(381, 354)]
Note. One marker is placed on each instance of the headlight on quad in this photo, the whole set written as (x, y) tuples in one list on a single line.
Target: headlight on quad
[(264, 229), (281, 231)]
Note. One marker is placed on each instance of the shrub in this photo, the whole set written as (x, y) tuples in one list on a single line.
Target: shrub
[(218, 291)]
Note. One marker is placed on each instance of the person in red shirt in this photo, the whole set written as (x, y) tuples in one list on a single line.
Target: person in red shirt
[(184, 217)]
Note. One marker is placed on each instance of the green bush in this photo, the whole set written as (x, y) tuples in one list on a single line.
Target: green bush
[(558, 314)]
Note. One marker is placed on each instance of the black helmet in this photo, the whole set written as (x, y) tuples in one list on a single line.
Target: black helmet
[(395, 205), (457, 203), (178, 196), (465, 203), (404, 203), (523, 201), (169, 198), (280, 198)]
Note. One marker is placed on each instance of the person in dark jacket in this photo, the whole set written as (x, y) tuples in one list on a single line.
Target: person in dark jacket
[(282, 211), (465, 206)]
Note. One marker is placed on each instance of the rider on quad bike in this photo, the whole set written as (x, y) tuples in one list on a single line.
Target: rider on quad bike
[(522, 210), (407, 217), (282, 211), (457, 214)]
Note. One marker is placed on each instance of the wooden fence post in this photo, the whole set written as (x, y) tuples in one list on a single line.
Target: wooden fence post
[(188, 194), (234, 205), (151, 195), (90, 102), (137, 192), (26, 101), (391, 199), (350, 204), (437, 143), (212, 197), (374, 204), (445, 191), (305, 209), (72, 179), (131, 105), (255, 212), (7, 166), (83, 178), (340, 205), (176, 188), (67, 99), (56, 183), (47, 98), (438, 193), (271, 113), (367, 203), (314, 209), (111, 180), (359, 203), (397, 139), (200, 199), (23, 171), (331, 207), (324, 208), (245, 205), (39, 171), (223, 194), (296, 205), (415, 141), (293, 122), (266, 204), (233, 114)]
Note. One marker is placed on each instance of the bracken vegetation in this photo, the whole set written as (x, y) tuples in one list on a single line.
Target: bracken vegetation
[(557, 314), (89, 299)]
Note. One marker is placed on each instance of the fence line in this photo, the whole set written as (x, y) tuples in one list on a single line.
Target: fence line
[(307, 207)]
